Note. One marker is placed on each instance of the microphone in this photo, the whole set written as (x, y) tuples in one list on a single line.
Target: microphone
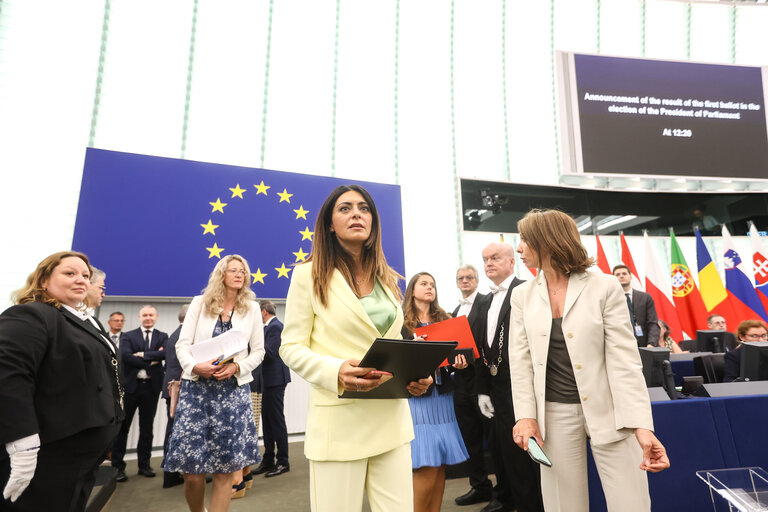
[(669, 379)]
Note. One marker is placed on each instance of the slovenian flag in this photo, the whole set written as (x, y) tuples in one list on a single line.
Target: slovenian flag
[(739, 284)]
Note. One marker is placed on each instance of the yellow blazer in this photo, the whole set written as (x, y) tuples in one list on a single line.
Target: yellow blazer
[(602, 347), (316, 340)]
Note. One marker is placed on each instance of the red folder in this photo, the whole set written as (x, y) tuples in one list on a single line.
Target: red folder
[(453, 329)]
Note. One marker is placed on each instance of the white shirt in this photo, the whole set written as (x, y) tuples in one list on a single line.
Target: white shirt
[(465, 305), (493, 312), (268, 320)]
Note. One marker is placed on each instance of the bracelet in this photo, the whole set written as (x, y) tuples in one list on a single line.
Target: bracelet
[(237, 369)]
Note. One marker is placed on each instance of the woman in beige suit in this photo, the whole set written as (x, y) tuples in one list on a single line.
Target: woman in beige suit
[(576, 373), (342, 299)]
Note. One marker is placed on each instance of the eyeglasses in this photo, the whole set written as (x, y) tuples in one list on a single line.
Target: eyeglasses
[(465, 278), (753, 336), (236, 272), (103, 289)]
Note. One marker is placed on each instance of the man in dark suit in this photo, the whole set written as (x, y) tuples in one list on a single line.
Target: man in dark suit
[(517, 475), (115, 323), (642, 310), (275, 377), (472, 424), (173, 372), (142, 356)]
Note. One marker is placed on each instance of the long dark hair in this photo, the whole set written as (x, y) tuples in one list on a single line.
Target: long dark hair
[(411, 314), (328, 255)]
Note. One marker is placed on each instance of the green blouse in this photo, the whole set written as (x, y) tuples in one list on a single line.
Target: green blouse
[(379, 308)]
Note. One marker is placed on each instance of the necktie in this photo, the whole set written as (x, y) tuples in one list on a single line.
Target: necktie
[(146, 338), (631, 310), (114, 339)]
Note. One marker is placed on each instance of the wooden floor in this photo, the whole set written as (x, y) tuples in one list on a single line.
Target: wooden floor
[(285, 493)]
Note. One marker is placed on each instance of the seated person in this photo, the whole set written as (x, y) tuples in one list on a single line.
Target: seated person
[(748, 330), (665, 339), (716, 322)]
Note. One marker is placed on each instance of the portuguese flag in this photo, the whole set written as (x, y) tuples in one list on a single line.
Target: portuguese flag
[(688, 302)]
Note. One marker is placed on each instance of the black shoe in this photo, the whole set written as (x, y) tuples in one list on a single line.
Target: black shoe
[(279, 470), (147, 472), (473, 496), (263, 468), (208, 478), (497, 506), (172, 480), (121, 476)]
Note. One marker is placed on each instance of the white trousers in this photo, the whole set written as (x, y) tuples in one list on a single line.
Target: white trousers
[(564, 486), (387, 479)]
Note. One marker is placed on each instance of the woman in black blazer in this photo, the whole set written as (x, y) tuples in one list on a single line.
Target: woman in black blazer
[(60, 395)]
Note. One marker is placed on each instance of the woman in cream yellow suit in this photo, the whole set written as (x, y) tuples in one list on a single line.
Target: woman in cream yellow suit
[(342, 299), (576, 373)]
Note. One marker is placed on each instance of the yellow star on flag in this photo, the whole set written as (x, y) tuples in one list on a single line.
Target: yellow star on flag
[(214, 251), (210, 227), (282, 271), (218, 205), (284, 196), (258, 276), (261, 188), (237, 191), (306, 234), (301, 255), (301, 213)]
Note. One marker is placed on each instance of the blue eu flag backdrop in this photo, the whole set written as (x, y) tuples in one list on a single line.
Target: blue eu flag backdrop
[(158, 226)]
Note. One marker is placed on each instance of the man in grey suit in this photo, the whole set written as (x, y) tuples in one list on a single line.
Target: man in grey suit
[(642, 310)]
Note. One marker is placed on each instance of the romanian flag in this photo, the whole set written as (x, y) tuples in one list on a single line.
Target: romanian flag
[(760, 265), (688, 303), (602, 261), (716, 297), (657, 286), (626, 259), (746, 301)]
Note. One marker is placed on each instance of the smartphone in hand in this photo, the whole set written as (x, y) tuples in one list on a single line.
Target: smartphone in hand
[(537, 454)]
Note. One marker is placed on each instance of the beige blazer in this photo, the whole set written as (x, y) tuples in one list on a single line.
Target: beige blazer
[(602, 347), (198, 326), (316, 340)]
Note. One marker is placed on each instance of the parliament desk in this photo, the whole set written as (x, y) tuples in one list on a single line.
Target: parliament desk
[(700, 433)]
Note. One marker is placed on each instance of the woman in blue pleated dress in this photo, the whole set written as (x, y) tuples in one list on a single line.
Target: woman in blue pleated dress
[(438, 439), (214, 431)]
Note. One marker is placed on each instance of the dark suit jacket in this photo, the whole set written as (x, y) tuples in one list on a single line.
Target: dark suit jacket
[(645, 316), (274, 372), (732, 365), (465, 379), (132, 342), (56, 375), (498, 387), (173, 369)]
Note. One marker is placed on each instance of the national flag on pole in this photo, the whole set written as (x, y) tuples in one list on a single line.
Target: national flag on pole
[(760, 265), (716, 298), (739, 284), (657, 286), (602, 261), (626, 259), (688, 303)]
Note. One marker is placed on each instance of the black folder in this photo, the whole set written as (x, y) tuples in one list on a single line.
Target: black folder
[(407, 361)]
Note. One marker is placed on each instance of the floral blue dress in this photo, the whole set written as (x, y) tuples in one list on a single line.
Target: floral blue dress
[(213, 431)]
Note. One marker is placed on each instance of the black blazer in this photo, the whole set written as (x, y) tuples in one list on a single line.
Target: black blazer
[(132, 342), (645, 316), (498, 387), (56, 375), (274, 372), (173, 369), (465, 379)]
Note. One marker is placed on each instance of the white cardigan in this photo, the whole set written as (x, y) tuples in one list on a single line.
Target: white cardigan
[(199, 325)]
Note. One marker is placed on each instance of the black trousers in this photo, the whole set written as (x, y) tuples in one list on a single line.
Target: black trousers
[(519, 481), (273, 422), (473, 426), (145, 400), (65, 473)]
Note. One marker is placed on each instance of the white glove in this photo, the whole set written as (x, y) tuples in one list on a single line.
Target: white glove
[(23, 454), (486, 407)]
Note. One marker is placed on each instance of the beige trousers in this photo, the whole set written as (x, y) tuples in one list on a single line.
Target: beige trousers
[(337, 486), (564, 485)]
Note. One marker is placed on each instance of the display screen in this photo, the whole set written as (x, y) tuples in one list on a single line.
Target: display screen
[(662, 118)]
